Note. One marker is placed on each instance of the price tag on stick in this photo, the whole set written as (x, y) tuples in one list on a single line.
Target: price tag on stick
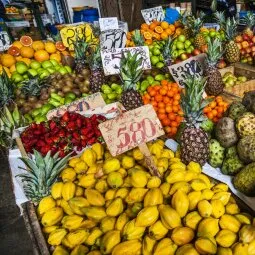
[(155, 13), (112, 39), (192, 66), (131, 129), (108, 23)]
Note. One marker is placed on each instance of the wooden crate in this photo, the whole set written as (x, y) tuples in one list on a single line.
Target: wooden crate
[(240, 70)]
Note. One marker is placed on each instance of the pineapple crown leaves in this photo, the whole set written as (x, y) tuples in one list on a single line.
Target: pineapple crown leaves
[(6, 89), (249, 20), (43, 173), (197, 24), (220, 18), (192, 100), (80, 48), (94, 58), (130, 70), (214, 51), (34, 85), (138, 38), (186, 18), (167, 49), (230, 29)]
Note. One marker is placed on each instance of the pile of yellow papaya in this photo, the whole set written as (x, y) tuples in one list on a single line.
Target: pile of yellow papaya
[(113, 205)]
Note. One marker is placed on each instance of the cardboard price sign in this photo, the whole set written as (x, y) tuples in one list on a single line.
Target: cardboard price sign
[(155, 13), (111, 58), (131, 129), (108, 23), (212, 25), (192, 66), (5, 41), (69, 34), (80, 106), (112, 39)]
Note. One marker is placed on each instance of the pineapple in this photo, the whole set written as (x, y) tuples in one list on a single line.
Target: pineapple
[(249, 21), (220, 19), (214, 85), (6, 89), (138, 38), (80, 50), (41, 174), (167, 52), (33, 86), (194, 141), (199, 40), (186, 20), (232, 52), (130, 73), (97, 78)]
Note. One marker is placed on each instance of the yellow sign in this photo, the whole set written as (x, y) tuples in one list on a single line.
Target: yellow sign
[(69, 34)]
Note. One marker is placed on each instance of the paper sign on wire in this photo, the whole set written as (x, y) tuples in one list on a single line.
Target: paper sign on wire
[(155, 13), (130, 129), (113, 39), (111, 58), (108, 23)]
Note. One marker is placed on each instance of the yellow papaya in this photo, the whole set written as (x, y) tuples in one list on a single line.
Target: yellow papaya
[(68, 190), (55, 237), (165, 247), (132, 247), (182, 235), (56, 190), (180, 202), (225, 238), (153, 197), (52, 216)]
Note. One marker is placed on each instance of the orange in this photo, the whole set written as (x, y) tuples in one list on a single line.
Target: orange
[(148, 42), (13, 68), (7, 60), (172, 27), (26, 60), (38, 45), (17, 44), (41, 55), (56, 56), (144, 26), (60, 46), (18, 58), (164, 24), (177, 23), (147, 35), (152, 26), (26, 52), (26, 40), (164, 35), (50, 47), (14, 51), (129, 35), (178, 31), (169, 31), (155, 35), (158, 29)]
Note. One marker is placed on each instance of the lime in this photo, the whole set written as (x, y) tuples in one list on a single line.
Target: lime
[(156, 51), (144, 85), (160, 77), (180, 45), (154, 60), (160, 65), (112, 96), (17, 78), (181, 38), (150, 79), (212, 34)]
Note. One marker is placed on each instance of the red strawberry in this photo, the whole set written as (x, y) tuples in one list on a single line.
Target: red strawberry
[(98, 133), (61, 133), (90, 134), (41, 143), (85, 131), (52, 124), (62, 123), (76, 136), (61, 154), (55, 139), (91, 141), (84, 143), (65, 117), (45, 149), (79, 123), (71, 126), (73, 116)]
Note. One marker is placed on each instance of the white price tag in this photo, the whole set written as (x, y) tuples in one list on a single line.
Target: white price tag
[(212, 25), (5, 41), (18, 24), (156, 13), (108, 23), (113, 39), (111, 58)]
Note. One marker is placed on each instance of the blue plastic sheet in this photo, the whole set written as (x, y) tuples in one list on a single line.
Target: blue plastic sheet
[(171, 15)]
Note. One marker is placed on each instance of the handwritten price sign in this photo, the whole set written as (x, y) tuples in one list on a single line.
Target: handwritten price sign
[(192, 66), (5, 41), (112, 39), (111, 58), (151, 14), (131, 129), (81, 106), (108, 23)]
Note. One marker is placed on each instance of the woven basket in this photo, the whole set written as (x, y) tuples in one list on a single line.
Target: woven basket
[(241, 70)]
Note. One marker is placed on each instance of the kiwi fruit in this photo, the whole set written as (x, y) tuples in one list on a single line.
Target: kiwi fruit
[(77, 92), (66, 89), (85, 72), (44, 96), (32, 99), (61, 93), (52, 90)]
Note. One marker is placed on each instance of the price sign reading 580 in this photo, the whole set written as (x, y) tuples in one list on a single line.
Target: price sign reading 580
[(130, 129)]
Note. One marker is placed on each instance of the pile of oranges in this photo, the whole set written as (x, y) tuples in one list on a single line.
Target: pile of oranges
[(165, 99), (155, 31), (215, 109)]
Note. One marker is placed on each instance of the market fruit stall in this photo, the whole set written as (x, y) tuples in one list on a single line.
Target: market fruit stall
[(146, 148)]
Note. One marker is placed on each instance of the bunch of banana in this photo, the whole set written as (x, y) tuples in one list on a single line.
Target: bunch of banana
[(8, 122), (112, 205)]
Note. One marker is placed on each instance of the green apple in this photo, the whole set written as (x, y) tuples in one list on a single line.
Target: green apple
[(57, 67), (16, 77), (35, 65), (44, 74), (54, 62), (181, 38), (40, 70), (51, 70), (62, 70), (212, 33), (21, 67), (180, 52), (180, 45), (68, 69), (154, 60), (175, 54), (160, 65), (187, 43), (25, 76), (156, 51), (46, 64), (32, 72)]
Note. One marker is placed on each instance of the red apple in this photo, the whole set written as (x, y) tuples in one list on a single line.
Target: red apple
[(238, 39), (196, 52), (253, 39), (250, 44), (248, 50), (245, 37), (177, 61), (253, 53), (221, 64), (242, 51)]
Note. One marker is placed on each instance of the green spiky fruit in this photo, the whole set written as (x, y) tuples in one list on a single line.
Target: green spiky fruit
[(235, 110), (245, 124), (6, 89), (80, 50), (130, 73), (33, 87), (137, 38), (216, 153)]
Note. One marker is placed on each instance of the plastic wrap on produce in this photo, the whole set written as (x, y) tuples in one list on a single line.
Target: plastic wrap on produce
[(15, 163)]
